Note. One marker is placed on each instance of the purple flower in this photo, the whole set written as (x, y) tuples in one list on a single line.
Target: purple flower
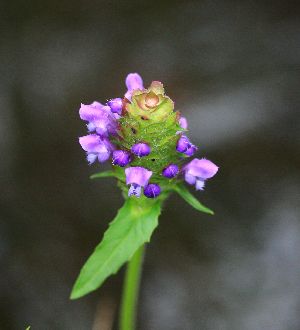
[(116, 105), (152, 190), (191, 150), (199, 170), (133, 82), (183, 123), (96, 147), (137, 177), (141, 149), (185, 146), (99, 117), (170, 171), (121, 158)]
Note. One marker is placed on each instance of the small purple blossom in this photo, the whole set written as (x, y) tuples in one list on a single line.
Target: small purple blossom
[(137, 177), (152, 190), (183, 123), (191, 150), (170, 171), (133, 82), (99, 117), (141, 149), (199, 170), (96, 147), (182, 144), (185, 146), (116, 105), (121, 158)]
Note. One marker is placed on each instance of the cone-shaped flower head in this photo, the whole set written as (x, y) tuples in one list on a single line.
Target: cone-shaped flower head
[(137, 177), (121, 158), (116, 105), (199, 170), (99, 117), (96, 147), (170, 171), (152, 190), (146, 136), (141, 149), (133, 82)]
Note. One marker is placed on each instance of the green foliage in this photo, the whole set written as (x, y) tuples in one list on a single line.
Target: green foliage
[(189, 198), (105, 174), (117, 172), (130, 229)]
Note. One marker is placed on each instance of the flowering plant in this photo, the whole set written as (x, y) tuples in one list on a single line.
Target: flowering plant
[(147, 143)]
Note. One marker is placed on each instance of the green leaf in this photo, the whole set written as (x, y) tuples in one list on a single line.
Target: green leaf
[(189, 198), (28, 328), (130, 229), (105, 174)]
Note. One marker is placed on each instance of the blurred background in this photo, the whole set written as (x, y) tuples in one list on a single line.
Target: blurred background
[(233, 69)]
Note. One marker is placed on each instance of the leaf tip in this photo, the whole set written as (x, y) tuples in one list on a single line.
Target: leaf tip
[(74, 295)]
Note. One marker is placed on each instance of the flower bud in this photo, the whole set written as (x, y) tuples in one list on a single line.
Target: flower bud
[(121, 158), (152, 190), (170, 171), (116, 105), (141, 149)]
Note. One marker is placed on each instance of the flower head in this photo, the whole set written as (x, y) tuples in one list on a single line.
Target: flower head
[(143, 123), (133, 82), (99, 117), (96, 147), (137, 177), (199, 170)]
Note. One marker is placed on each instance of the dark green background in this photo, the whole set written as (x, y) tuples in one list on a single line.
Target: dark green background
[(233, 69)]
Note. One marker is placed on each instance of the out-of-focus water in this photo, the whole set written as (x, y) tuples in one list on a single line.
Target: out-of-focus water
[(233, 70)]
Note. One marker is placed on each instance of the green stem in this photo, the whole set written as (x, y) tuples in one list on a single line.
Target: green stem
[(131, 290)]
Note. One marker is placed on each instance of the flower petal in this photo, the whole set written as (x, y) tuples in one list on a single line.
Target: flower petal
[(137, 175), (190, 179), (201, 168), (134, 81), (134, 190), (93, 111), (183, 123)]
